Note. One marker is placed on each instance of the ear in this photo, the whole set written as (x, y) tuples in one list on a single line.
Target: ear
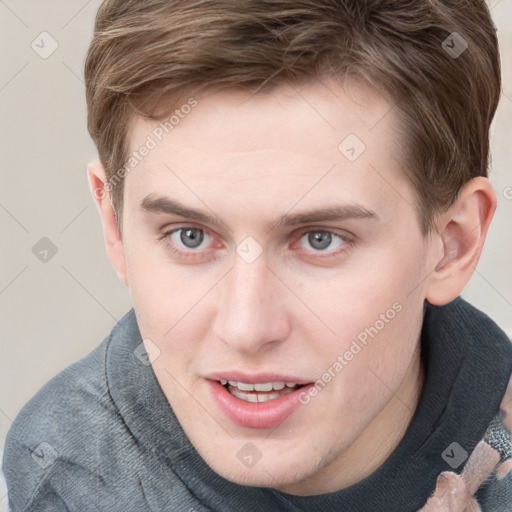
[(101, 193), (461, 232)]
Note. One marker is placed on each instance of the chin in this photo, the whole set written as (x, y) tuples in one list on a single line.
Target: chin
[(275, 470), (264, 477)]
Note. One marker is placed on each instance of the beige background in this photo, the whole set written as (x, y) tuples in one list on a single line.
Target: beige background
[(52, 313)]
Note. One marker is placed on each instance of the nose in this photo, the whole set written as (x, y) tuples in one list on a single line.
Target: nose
[(252, 314)]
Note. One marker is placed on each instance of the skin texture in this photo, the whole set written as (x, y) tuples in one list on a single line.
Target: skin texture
[(293, 310)]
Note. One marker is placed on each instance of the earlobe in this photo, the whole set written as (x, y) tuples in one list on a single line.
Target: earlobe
[(101, 193), (462, 230)]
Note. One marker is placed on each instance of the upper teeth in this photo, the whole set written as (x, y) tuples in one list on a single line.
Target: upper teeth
[(263, 386)]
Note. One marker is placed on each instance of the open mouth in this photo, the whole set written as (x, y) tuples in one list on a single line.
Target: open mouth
[(263, 404), (259, 392)]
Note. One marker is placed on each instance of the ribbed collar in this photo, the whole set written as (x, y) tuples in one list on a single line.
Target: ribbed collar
[(467, 360)]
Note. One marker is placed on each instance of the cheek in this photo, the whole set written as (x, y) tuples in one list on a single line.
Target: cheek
[(374, 314), (357, 298), (161, 293), (154, 280)]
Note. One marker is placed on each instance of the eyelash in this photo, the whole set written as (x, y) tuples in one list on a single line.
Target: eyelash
[(347, 242)]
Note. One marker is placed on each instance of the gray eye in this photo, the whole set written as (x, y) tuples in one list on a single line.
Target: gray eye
[(319, 240), (191, 237)]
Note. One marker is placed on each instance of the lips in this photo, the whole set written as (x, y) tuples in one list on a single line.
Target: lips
[(262, 401)]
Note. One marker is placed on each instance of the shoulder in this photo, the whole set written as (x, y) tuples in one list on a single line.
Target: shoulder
[(67, 399), (67, 422)]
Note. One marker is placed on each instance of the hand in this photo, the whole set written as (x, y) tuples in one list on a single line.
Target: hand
[(451, 495)]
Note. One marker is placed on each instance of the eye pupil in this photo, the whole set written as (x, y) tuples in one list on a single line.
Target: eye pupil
[(319, 239), (191, 237)]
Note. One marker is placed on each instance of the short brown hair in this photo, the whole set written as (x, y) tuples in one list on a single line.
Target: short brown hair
[(147, 51)]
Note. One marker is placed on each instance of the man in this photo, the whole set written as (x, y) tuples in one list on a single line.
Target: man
[(295, 194)]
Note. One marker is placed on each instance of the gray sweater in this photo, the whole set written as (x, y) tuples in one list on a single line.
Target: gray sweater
[(101, 436)]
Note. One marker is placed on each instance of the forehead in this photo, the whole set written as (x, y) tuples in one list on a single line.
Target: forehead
[(319, 110), (338, 139)]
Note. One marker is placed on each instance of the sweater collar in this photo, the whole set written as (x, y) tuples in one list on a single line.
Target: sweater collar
[(467, 361)]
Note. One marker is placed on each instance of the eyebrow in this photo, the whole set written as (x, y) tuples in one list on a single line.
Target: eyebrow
[(160, 204)]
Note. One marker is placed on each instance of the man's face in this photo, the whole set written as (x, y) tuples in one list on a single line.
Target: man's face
[(306, 265)]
